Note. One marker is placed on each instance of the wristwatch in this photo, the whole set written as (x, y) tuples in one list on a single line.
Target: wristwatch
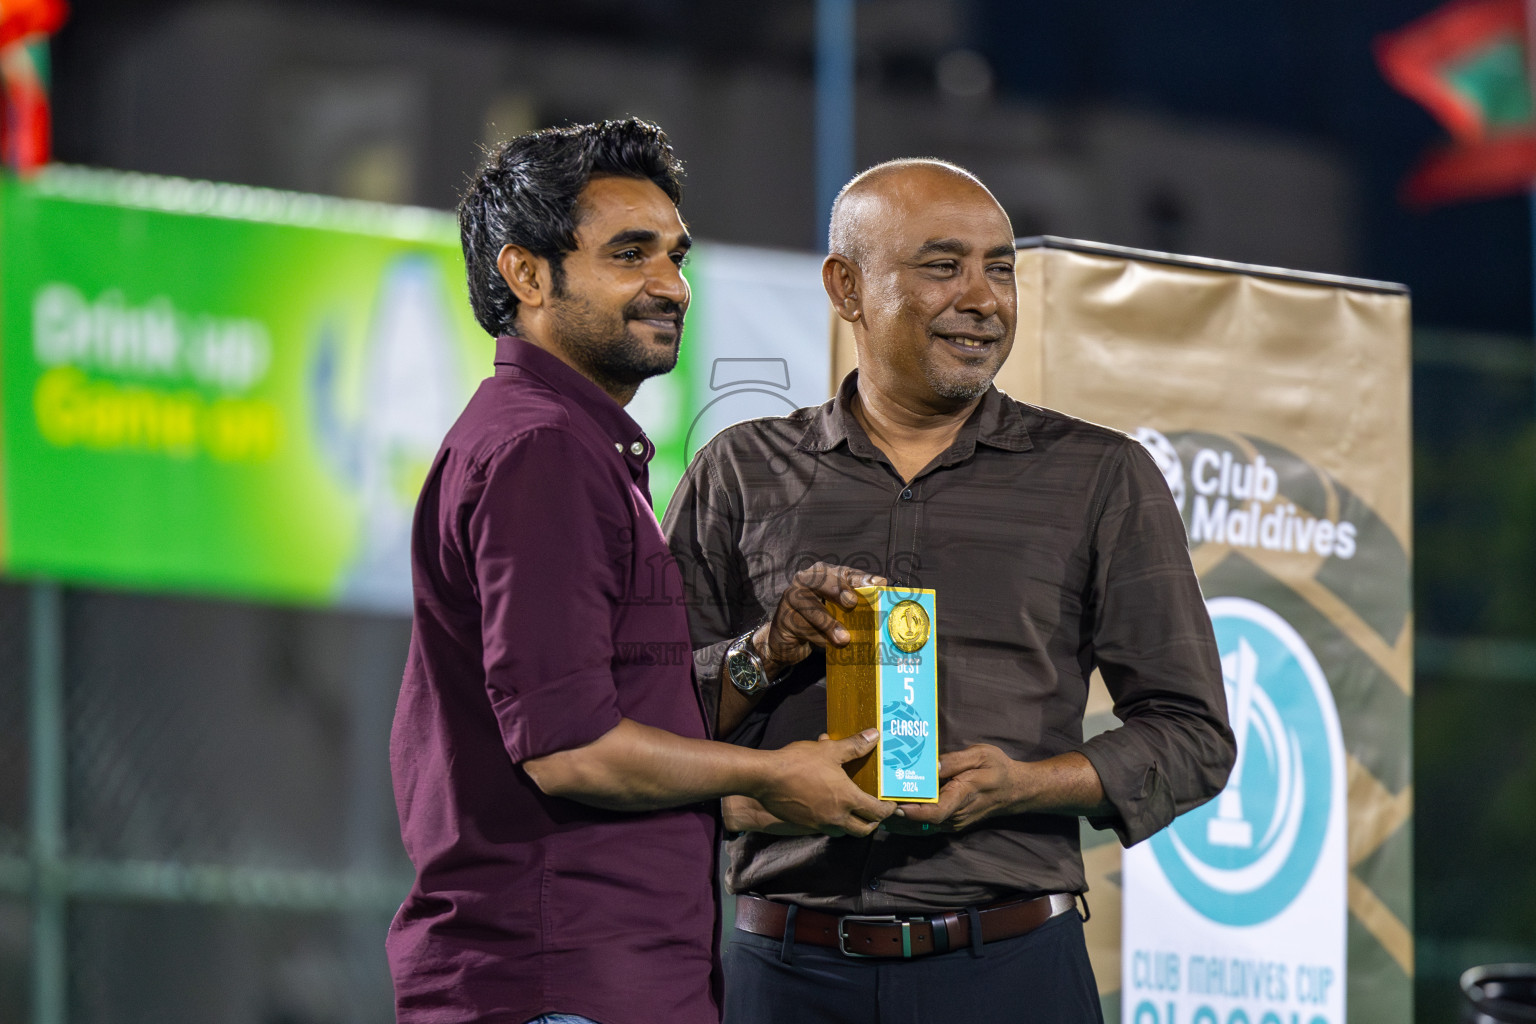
[(744, 668)]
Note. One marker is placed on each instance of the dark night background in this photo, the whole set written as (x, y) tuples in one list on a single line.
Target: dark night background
[(1273, 138)]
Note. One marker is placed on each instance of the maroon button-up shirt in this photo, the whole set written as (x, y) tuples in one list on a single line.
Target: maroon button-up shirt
[(545, 610)]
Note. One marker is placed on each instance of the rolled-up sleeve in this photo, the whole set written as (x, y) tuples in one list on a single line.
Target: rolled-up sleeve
[(1153, 643), (548, 583)]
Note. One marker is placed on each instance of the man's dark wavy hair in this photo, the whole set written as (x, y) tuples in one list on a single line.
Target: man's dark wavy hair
[(526, 195)]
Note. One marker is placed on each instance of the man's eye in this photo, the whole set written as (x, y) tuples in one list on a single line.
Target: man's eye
[(680, 258), (943, 266), (1001, 268), (628, 255)]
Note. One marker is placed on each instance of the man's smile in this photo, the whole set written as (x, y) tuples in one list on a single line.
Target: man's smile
[(968, 343), (669, 329)]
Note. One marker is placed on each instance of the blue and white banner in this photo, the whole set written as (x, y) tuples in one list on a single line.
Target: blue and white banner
[(1236, 913)]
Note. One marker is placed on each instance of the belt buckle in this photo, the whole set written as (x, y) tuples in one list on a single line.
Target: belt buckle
[(842, 934)]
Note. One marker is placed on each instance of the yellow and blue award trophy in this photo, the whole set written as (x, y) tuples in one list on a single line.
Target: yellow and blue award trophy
[(887, 677)]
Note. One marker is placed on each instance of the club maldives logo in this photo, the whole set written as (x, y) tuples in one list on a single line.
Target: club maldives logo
[(1230, 496), (1244, 857)]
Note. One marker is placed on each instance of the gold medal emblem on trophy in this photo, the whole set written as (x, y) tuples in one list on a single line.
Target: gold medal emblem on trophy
[(908, 626)]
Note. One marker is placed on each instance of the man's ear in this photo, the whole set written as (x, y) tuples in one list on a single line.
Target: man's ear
[(840, 276), (526, 274)]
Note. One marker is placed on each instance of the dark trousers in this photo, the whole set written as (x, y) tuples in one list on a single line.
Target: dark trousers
[(1040, 978)]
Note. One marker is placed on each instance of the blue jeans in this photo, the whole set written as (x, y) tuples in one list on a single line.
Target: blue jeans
[(562, 1018)]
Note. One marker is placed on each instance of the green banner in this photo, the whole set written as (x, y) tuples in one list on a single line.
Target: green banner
[(215, 388), (238, 391)]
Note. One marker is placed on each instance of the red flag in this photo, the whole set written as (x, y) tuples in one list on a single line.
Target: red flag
[(25, 116), (1485, 170), (1466, 63), (26, 131), (22, 18)]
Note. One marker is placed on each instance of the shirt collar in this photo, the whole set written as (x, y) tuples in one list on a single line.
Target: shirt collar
[(995, 422), (516, 356)]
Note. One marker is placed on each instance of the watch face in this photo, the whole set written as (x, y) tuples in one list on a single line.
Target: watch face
[(744, 674)]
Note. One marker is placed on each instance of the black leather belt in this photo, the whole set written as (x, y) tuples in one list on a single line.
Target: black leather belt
[(905, 936)]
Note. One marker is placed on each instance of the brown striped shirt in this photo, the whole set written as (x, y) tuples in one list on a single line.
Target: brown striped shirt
[(1055, 548)]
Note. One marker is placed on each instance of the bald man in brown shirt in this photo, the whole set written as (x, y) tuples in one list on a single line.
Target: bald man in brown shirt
[(1055, 549)]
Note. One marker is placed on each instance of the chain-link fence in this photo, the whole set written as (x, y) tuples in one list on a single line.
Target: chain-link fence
[(1475, 603), (15, 926), (195, 814)]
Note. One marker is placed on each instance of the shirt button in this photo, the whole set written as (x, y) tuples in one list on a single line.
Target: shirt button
[(618, 448), (874, 883), (637, 448), (906, 495)]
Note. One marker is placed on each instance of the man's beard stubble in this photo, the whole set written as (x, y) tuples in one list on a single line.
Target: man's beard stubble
[(965, 385), (958, 388), (603, 345)]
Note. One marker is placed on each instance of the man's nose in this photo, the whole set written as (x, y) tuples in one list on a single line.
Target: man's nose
[(977, 295), (668, 283)]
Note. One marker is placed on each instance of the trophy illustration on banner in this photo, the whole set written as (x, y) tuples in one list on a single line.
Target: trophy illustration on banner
[(1229, 827)]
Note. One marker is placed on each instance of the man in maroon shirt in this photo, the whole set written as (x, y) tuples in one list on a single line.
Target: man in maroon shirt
[(556, 788)]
